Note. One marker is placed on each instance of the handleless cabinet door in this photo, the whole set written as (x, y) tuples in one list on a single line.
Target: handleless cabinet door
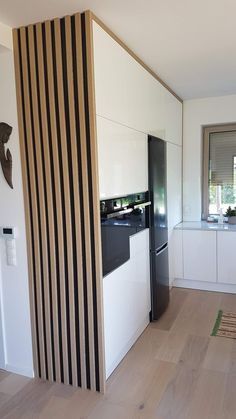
[(127, 93), (122, 159), (226, 244), (127, 301), (199, 250)]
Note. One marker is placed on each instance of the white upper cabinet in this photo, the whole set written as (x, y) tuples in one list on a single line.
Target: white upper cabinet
[(128, 94), (122, 159)]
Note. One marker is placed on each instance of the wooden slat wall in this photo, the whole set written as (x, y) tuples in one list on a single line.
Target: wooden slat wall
[(56, 111)]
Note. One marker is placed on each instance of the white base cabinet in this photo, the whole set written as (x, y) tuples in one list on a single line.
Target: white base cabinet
[(205, 259), (199, 255), (127, 301), (178, 265), (226, 245)]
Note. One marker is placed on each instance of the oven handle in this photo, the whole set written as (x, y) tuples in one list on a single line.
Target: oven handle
[(117, 213), (143, 205)]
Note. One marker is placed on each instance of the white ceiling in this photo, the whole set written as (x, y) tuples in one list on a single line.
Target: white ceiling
[(190, 44)]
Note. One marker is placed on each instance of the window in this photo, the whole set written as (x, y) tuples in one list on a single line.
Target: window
[(219, 169)]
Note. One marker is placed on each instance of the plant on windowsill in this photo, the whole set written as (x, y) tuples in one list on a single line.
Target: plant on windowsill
[(231, 214)]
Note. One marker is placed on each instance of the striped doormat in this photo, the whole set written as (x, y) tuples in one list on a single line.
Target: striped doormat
[(225, 325)]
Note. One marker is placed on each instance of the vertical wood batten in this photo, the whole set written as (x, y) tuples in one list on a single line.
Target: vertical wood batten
[(56, 144), (28, 218), (78, 277), (34, 203), (82, 179), (49, 200), (59, 236), (69, 271), (39, 167), (69, 196)]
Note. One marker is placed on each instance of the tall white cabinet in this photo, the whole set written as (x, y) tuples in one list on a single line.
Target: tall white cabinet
[(130, 104), (174, 199)]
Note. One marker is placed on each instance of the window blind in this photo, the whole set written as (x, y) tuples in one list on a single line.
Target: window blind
[(222, 158)]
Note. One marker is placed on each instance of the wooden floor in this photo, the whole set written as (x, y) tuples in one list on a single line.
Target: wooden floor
[(174, 371)]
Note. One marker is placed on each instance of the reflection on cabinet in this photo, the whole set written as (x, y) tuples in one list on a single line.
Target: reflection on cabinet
[(174, 184), (199, 255), (122, 159), (226, 245), (174, 200)]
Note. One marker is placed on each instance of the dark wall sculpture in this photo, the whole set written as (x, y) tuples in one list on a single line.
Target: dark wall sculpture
[(6, 157)]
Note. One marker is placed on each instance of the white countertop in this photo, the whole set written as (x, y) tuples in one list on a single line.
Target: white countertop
[(203, 225)]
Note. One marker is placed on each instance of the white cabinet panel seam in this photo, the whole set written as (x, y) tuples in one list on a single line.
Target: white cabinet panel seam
[(135, 129)]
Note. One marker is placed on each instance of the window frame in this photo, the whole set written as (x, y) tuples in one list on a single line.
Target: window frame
[(206, 132)]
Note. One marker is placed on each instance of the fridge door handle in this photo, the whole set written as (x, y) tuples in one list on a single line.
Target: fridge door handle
[(161, 249), (143, 205)]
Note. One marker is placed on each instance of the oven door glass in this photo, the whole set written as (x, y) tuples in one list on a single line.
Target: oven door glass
[(115, 237)]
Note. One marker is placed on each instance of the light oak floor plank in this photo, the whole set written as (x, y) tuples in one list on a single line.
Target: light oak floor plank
[(229, 403), (177, 300), (228, 302), (219, 354), (179, 393), (3, 374), (175, 370), (13, 383), (207, 401), (172, 346), (198, 314)]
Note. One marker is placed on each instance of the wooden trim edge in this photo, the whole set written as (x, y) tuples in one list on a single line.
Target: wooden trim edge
[(96, 208)]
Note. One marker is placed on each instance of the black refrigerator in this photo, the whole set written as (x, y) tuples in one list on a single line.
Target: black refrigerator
[(158, 227)]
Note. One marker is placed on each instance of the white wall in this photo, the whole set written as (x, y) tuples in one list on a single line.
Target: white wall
[(14, 280), (199, 112)]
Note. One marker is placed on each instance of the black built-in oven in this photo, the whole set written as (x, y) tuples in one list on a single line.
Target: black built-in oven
[(120, 219)]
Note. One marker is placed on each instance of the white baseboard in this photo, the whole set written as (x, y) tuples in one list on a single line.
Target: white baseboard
[(27, 372), (205, 286), (127, 347)]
